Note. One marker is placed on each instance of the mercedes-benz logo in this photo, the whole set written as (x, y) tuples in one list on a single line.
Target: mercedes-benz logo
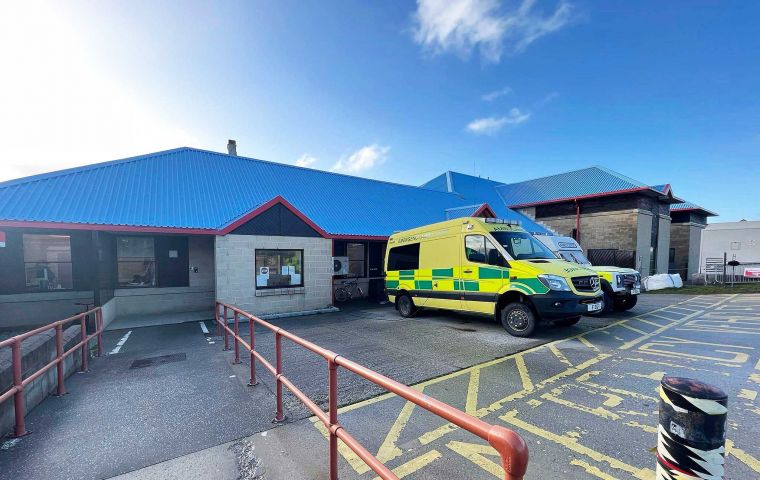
[(594, 282)]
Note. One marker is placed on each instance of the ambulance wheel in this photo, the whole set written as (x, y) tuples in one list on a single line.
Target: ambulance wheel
[(566, 322), (405, 305), (518, 319), (625, 303), (607, 306)]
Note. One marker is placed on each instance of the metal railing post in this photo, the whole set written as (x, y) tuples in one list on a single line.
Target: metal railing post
[(18, 383), (333, 414), (99, 326), (237, 334), (85, 343), (224, 329), (279, 415), (216, 317), (251, 326), (59, 355)]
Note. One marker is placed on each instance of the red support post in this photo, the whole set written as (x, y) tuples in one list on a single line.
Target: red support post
[(218, 325), (224, 329), (59, 355), (18, 383), (237, 334), (253, 380), (333, 413), (85, 343), (99, 326), (279, 416)]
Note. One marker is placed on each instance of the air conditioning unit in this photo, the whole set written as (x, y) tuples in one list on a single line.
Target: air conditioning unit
[(340, 265)]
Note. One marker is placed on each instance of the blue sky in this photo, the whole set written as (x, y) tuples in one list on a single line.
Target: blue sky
[(401, 91)]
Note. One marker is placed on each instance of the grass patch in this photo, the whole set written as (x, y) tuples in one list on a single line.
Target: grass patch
[(710, 289)]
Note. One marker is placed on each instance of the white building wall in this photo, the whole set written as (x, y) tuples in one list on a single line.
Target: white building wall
[(236, 274), (739, 240)]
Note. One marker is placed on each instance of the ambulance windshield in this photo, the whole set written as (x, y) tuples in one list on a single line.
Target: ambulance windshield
[(522, 246)]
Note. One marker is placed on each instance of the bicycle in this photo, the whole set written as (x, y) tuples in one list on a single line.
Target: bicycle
[(346, 291)]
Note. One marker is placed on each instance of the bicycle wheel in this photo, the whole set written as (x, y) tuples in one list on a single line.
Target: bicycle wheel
[(341, 295)]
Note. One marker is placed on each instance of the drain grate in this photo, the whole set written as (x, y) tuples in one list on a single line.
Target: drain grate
[(160, 360)]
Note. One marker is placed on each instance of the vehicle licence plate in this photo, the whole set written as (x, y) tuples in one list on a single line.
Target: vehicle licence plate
[(593, 307), (635, 291)]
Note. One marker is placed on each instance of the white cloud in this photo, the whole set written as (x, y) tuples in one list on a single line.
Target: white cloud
[(491, 96), (59, 108), (460, 26), (363, 159), (305, 160), (491, 125)]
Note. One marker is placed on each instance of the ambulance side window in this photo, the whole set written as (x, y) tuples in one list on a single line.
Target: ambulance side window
[(479, 249), (406, 257)]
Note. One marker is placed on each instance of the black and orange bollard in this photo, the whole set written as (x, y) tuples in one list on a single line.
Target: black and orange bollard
[(692, 432)]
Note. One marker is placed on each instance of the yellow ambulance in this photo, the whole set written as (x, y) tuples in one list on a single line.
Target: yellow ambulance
[(487, 266)]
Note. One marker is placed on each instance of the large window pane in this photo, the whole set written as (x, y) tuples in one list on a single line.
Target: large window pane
[(279, 268), (136, 259), (47, 262), (355, 253)]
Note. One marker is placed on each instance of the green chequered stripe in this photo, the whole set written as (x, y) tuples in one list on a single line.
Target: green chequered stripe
[(423, 284), (533, 285), (467, 285), (443, 273), (391, 283), (487, 273), (406, 274)]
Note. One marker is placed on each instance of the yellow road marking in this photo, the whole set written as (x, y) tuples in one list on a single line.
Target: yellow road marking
[(742, 456), (602, 412), (572, 444), (353, 459), (590, 345), (755, 378), (561, 356), (654, 324), (415, 464), (524, 376), (646, 428), (388, 449), (591, 470), (475, 453), (633, 329), (675, 365), (471, 406), (747, 394), (652, 376)]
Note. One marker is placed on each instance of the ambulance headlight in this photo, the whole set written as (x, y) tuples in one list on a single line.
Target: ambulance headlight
[(555, 282)]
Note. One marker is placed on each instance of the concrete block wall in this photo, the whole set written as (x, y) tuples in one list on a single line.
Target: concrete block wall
[(34, 309), (236, 274)]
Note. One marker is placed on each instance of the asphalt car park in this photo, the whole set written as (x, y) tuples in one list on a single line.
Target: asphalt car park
[(583, 397)]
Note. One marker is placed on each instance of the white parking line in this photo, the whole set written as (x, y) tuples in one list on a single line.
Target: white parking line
[(121, 343), (203, 327)]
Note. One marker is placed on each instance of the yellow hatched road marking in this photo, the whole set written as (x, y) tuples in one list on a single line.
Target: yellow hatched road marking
[(633, 329), (590, 345), (471, 406), (592, 470), (388, 449), (352, 458), (524, 376), (572, 444), (742, 456), (475, 453), (415, 464), (747, 394), (675, 365), (561, 356), (654, 324)]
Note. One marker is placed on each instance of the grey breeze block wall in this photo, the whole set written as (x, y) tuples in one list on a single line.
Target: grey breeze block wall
[(236, 274), (198, 296)]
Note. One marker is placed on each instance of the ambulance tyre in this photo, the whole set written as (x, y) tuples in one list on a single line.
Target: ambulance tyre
[(625, 303), (566, 322), (405, 305), (607, 306), (518, 319)]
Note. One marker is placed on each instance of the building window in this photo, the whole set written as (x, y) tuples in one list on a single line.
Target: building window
[(672, 255), (47, 262), (279, 268), (136, 261), (406, 257), (355, 253)]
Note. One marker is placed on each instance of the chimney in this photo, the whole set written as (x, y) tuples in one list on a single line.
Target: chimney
[(232, 147)]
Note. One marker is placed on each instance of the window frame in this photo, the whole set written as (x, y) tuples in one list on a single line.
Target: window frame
[(118, 285), (272, 287), (486, 241), (70, 262), (407, 245)]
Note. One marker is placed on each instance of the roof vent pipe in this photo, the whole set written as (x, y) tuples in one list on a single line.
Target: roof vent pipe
[(232, 148)]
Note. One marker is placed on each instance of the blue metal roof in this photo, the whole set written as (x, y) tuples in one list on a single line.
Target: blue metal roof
[(483, 190), (578, 183), (190, 188), (686, 205)]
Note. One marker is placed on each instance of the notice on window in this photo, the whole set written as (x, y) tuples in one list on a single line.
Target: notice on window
[(173, 254)]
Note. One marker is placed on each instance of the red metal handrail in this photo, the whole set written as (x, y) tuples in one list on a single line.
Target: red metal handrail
[(510, 445), (20, 383)]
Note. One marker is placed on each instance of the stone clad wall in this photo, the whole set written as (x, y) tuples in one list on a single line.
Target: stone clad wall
[(236, 274)]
